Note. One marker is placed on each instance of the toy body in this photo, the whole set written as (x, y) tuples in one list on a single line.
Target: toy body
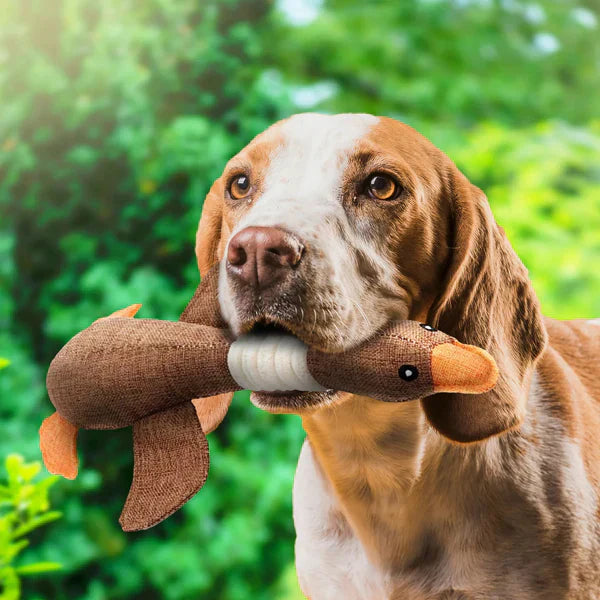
[(144, 372), (120, 370)]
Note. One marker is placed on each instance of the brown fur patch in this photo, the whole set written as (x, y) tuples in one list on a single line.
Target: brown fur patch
[(569, 376)]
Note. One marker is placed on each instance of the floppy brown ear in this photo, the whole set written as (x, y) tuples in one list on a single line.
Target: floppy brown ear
[(210, 239), (212, 230), (486, 300), (204, 308)]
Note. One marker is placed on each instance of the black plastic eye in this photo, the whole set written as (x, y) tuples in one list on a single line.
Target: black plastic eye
[(427, 327), (408, 372)]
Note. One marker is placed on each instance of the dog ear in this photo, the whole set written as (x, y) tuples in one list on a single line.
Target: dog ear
[(486, 300), (210, 237), (210, 234)]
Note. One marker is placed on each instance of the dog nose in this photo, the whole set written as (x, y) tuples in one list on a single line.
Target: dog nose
[(262, 256)]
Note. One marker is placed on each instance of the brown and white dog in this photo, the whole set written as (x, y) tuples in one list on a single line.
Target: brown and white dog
[(330, 227)]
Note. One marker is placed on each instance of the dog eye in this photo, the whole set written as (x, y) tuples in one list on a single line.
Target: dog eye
[(239, 187), (382, 187)]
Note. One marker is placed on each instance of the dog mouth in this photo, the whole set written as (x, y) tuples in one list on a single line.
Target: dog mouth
[(294, 402), (290, 401), (315, 335), (266, 325)]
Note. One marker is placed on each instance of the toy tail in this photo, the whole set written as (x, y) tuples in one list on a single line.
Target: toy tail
[(170, 464), (58, 443)]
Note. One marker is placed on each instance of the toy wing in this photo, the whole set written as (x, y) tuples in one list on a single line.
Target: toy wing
[(171, 458)]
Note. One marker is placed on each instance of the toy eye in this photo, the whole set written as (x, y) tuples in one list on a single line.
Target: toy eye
[(427, 327), (408, 372), (239, 187)]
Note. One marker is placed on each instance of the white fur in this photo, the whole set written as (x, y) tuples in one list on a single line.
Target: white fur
[(302, 188), (331, 563)]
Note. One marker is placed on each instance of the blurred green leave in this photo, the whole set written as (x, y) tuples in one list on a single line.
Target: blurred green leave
[(24, 507)]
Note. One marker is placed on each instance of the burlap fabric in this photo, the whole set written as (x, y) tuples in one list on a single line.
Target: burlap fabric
[(393, 366), (203, 308), (120, 370), (170, 466)]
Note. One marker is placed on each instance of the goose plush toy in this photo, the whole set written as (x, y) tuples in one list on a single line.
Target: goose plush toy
[(144, 373)]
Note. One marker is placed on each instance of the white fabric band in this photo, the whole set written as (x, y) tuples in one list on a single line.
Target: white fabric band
[(271, 362)]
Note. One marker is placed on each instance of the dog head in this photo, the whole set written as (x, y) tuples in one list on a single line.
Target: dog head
[(332, 226)]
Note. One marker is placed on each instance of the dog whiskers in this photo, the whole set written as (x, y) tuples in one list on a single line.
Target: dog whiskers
[(314, 322), (301, 309), (360, 310)]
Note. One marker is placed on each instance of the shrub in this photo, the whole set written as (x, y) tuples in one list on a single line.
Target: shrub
[(24, 507)]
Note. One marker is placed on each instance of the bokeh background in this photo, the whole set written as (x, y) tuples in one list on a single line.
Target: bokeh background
[(115, 117)]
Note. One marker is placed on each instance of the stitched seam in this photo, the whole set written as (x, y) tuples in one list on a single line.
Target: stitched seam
[(128, 346), (400, 337)]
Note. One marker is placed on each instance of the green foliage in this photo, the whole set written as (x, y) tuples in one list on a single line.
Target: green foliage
[(543, 184), (24, 507), (22, 394), (449, 61), (116, 117)]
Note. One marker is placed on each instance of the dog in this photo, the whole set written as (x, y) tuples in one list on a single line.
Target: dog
[(330, 227)]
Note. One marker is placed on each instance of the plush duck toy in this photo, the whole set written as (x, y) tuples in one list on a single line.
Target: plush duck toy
[(122, 372)]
